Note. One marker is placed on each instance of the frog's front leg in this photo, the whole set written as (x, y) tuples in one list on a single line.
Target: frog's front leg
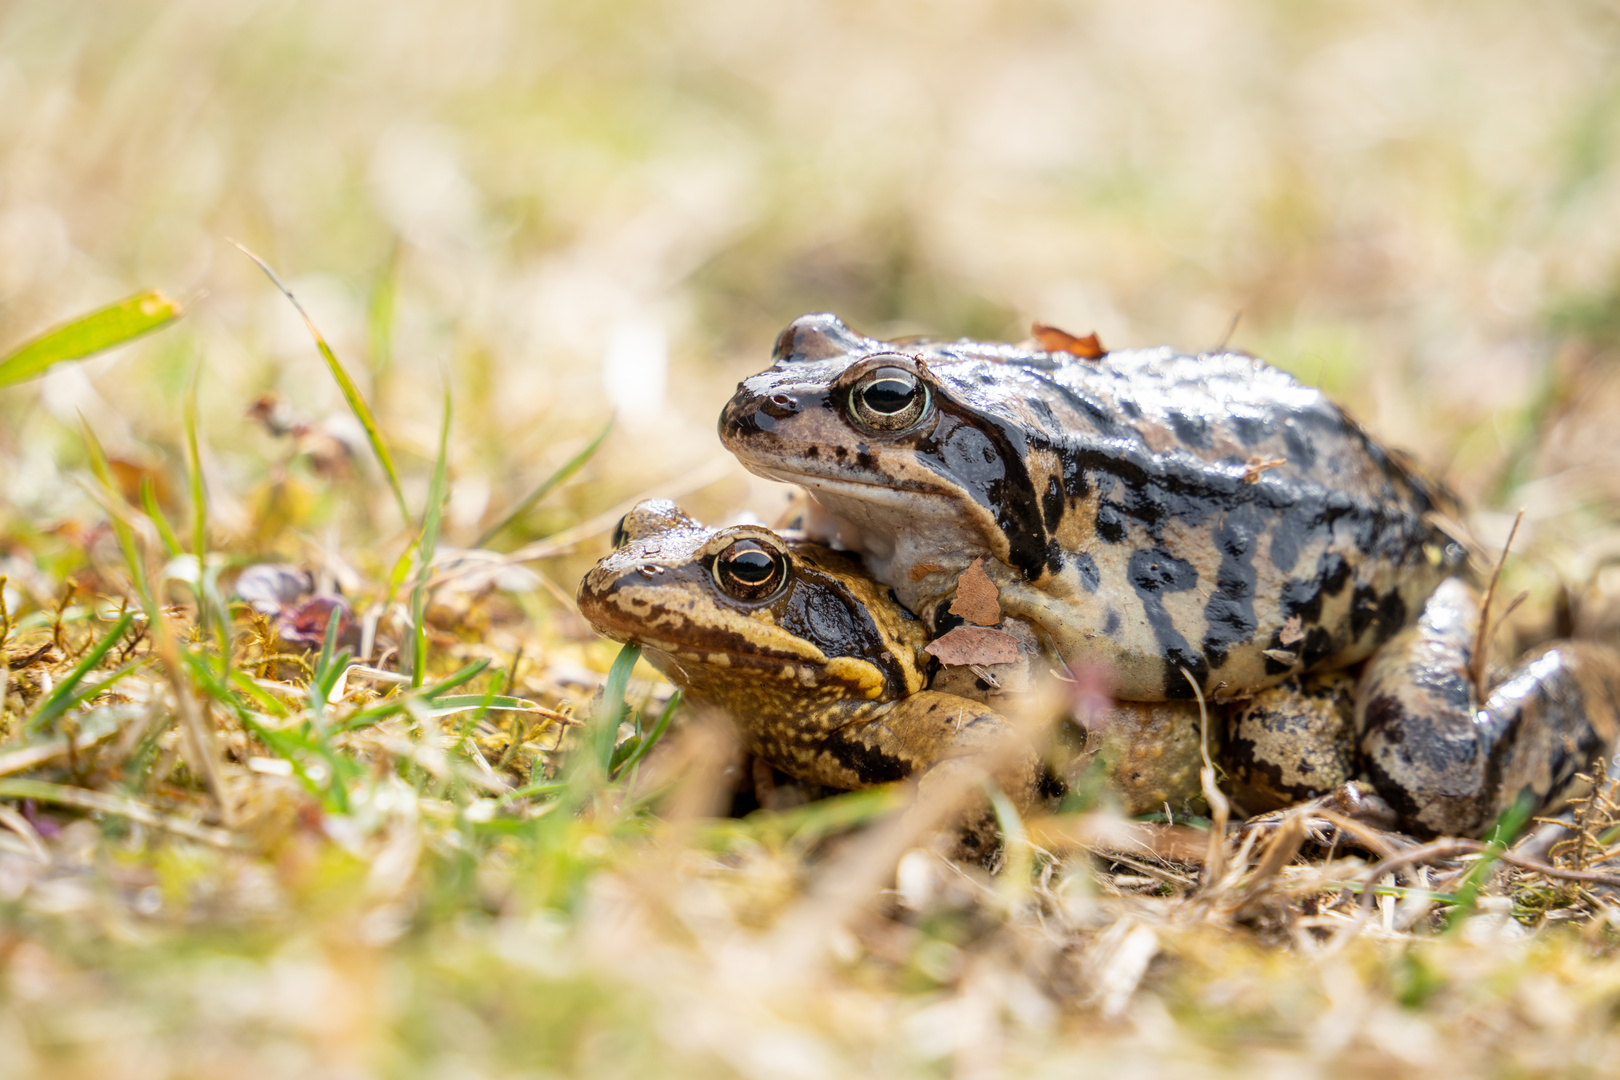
[(939, 734), (1449, 764), (939, 738), (1291, 743)]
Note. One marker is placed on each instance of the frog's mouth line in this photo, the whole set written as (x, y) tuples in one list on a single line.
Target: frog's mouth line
[(698, 652), (873, 491)]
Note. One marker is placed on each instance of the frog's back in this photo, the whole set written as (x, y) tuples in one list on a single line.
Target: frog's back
[(1201, 512)]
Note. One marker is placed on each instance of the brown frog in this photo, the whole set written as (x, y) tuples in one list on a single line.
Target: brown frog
[(824, 672)]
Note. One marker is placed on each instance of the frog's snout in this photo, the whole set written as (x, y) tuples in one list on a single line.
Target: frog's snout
[(748, 413)]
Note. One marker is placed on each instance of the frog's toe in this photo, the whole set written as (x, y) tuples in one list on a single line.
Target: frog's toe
[(1354, 801)]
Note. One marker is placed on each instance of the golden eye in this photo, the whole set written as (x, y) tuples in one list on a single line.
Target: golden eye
[(621, 535), (888, 399), (748, 570)]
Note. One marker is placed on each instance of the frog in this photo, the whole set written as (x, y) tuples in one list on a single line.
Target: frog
[(825, 674), (1203, 527)]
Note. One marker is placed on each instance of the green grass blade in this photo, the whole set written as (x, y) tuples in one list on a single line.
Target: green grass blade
[(550, 787), (460, 678), (351, 392), (322, 680), (650, 740), (149, 503), (391, 705), (1508, 825), (113, 325), (115, 510), (473, 701), (431, 517), (194, 473), (567, 469), (212, 613), (604, 729), (60, 698), (267, 701)]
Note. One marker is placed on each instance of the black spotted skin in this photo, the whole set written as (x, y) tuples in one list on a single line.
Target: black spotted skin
[(1167, 515), (1291, 743)]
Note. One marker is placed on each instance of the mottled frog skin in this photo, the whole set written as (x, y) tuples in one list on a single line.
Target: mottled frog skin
[(824, 675), (1150, 511), (1449, 762), (1177, 519)]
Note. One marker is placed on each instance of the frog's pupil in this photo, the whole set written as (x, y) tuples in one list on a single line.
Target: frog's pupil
[(748, 570), (751, 567), (890, 395)]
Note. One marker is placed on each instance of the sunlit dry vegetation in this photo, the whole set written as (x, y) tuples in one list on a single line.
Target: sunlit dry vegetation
[(309, 767)]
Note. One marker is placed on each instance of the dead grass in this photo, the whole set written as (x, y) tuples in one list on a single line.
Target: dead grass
[(231, 844)]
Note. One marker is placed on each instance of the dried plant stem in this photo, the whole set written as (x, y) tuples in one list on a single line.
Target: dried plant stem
[(31, 757), (1219, 810), (200, 735), (1482, 634), (122, 806)]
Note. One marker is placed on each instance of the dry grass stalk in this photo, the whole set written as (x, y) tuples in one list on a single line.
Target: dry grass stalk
[(1484, 632)]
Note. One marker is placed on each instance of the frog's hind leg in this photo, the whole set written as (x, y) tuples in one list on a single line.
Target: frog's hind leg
[(1450, 764)]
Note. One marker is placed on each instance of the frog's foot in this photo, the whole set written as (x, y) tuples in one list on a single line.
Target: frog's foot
[(1354, 802), (1292, 743), (1449, 764), (1146, 754)]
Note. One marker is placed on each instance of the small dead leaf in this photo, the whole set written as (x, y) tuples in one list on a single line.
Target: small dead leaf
[(1293, 631), (977, 600), (923, 569), (1282, 656), (1052, 339), (968, 645), (1258, 465)]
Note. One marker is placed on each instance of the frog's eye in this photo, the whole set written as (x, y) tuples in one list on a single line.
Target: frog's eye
[(621, 535), (748, 570), (888, 399)]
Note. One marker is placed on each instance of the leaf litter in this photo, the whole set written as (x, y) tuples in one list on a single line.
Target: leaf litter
[(417, 883), (433, 771)]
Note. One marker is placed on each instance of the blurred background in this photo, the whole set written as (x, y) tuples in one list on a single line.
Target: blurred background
[(566, 211), (569, 211)]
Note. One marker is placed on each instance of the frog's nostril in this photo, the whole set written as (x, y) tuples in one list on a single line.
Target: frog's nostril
[(779, 406)]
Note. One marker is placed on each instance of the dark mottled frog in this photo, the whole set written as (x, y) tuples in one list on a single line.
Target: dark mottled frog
[(1178, 519), (1146, 510), (823, 671)]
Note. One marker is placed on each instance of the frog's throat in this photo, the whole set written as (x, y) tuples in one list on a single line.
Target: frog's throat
[(866, 516)]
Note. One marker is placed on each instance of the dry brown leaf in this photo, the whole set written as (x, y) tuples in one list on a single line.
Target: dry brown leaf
[(1052, 339), (923, 569), (1293, 631), (977, 600), (967, 645)]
